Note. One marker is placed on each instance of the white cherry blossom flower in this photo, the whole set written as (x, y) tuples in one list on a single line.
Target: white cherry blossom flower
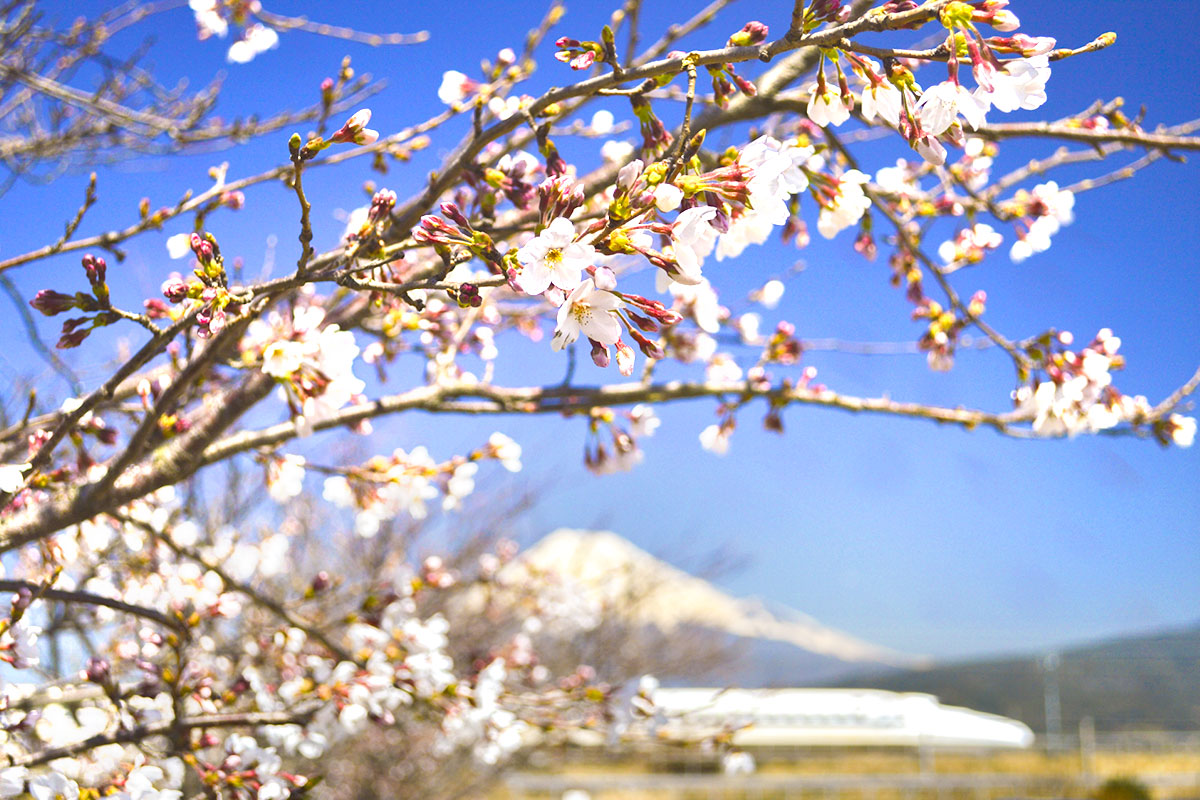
[(179, 245), (777, 174), (208, 19), (692, 239), (628, 174), (882, 100), (12, 781), (139, 785), (285, 477), (53, 786), (506, 450), (602, 122), (827, 108), (615, 152), (722, 369), (282, 358), (455, 87), (553, 258), (847, 207), (715, 439), (771, 293), (644, 421), (932, 150), (21, 639), (335, 354), (1057, 203), (1183, 430), (898, 180), (460, 484), (12, 477), (941, 104), (255, 39), (748, 326), (705, 308), (273, 787), (1055, 208), (504, 107), (1020, 85), (587, 311), (338, 492), (667, 197), (750, 228)]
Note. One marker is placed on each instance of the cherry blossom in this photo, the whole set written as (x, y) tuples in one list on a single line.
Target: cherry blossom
[(285, 477), (846, 207), (212, 608), (715, 439), (971, 244), (1051, 208), (587, 311), (12, 477), (179, 245), (53, 786), (770, 294), (692, 239), (506, 450), (699, 300), (667, 197), (826, 106), (455, 87), (209, 19), (749, 228), (931, 149), (553, 258), (881, 100), (941, 104), (1183, 430), (602, 122), (1020, 85), (255, 39)]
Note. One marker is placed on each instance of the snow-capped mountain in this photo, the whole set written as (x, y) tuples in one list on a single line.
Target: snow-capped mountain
[(777, 646)]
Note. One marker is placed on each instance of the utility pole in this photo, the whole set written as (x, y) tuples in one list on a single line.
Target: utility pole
[(1053, 706)]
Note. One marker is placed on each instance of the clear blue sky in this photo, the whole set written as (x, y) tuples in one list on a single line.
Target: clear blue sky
[(919, 538)]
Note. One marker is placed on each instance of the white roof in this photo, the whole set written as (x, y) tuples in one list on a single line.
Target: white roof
[(764, 717)]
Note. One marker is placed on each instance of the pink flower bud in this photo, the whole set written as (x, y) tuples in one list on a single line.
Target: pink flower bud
[(752, 32), (599, 354), (95, 268), (605, 278), (625, 358), (50, 302)]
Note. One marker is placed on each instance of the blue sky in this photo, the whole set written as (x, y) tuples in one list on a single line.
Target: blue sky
[(920, 538)]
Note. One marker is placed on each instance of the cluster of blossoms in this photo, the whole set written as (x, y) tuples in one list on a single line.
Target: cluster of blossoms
[(385, 488), (724, 210), (624, 429), (312, 361), (1045, 210), (203, 587), (1077, 395), (456, 87), (214, 16), (217, 620), (208, 295), (970, 245), (928, 117)]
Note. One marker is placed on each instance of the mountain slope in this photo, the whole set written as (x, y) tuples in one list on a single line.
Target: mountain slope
[(776, 648), (1142, 682)]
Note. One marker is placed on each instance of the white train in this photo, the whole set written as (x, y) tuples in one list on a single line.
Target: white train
[(830, 717)]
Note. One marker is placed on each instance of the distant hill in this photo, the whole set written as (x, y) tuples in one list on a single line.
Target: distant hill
[(1133, 683)]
